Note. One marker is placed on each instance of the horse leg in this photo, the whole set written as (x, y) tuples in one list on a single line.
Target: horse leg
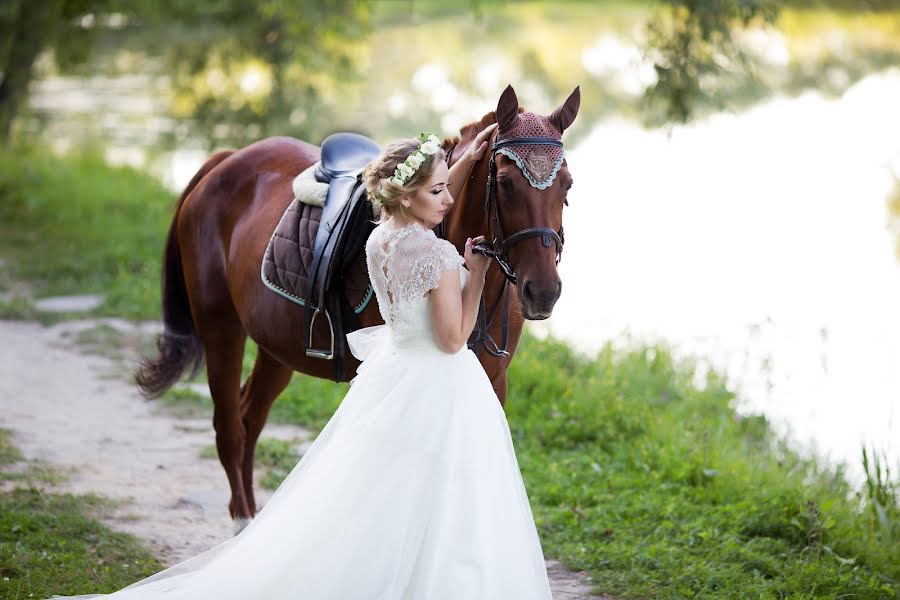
[(268, 378), (224, 346), (500, 388)]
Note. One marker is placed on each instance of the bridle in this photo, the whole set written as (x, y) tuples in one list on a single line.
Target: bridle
[(498, 247)]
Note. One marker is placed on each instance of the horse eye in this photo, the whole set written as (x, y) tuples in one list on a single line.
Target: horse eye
[(505, 184)]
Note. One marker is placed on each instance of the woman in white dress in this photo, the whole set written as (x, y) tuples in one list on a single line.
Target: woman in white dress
[(412, 490)]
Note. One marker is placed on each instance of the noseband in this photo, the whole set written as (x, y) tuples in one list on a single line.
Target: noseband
[(498, 248)]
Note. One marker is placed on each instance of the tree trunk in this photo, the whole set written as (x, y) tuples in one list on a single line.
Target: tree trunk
[(29, 34)]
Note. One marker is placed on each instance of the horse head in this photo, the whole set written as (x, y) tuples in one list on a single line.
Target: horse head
[(527, 181)]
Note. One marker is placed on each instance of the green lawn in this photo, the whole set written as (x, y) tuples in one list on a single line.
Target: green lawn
[(639, 476), (53, 544), (662, 491), (78, 226)]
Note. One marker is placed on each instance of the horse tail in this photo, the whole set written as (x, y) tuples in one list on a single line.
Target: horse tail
[(178, 344)]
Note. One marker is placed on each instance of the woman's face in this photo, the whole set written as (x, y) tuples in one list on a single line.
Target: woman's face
[(430, 203)]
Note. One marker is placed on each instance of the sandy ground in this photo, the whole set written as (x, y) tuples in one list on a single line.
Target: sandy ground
[(75, 411)]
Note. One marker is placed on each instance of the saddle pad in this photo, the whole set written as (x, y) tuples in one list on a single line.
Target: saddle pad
[(308, 190), (286, 262)]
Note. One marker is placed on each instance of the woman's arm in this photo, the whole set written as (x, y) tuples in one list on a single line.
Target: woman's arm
[(454, 311), (459, 172)]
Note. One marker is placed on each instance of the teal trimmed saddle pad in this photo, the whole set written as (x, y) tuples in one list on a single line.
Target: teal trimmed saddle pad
[(287, 263)]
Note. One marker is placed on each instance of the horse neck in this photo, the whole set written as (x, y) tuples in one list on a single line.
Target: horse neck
[(467, 219)]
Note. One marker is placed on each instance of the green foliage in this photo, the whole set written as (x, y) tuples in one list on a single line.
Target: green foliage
[(254, 59), (239, 70), (299, 53), (660, 490), (76, 225), (276, 456), (279, 457), (9, 454), (27, 27), (882, 500), (228, 72), (694, 54), (184, 402), (49, 544), (308, 401)]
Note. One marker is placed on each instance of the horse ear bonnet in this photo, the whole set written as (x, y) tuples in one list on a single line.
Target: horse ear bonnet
[(539, 163)]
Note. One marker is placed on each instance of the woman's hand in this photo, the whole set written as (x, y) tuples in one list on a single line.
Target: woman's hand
[(476, 262), (476, 149), (460, 170)]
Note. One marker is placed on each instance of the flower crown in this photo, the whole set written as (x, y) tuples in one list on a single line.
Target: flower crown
[(428, 144)]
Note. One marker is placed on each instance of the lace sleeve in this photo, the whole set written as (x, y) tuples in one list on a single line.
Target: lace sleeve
[(428, 267)]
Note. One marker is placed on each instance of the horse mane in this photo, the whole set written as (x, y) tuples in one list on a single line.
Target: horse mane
[(468, 132)]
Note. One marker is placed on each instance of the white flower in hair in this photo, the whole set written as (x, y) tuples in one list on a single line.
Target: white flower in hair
[(428, 144), (430, 147), (415, 160)]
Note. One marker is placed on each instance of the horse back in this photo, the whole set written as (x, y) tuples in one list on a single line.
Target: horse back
[(225, 223)]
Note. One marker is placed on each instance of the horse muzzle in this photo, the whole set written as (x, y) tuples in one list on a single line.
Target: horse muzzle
[(537, 298)]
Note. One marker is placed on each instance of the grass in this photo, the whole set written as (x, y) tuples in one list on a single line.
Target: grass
[(78, 226), (186, 403), (652, 483), (113, 343), (14, 467), (9, 454), (53, 543), (661, 490), (278, 457)]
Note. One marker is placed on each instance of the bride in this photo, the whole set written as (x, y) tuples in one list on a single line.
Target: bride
[(412, 490)]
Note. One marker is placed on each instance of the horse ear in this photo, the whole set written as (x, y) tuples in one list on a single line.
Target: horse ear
[(563, 116), (507, 108)]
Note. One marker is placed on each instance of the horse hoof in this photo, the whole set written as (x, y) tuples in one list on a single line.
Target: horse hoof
[(239, 524)]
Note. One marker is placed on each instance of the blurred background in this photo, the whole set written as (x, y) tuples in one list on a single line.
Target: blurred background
[(736, 163), (714, 403)]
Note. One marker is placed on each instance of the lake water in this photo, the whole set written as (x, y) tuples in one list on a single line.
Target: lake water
[(757, 240)]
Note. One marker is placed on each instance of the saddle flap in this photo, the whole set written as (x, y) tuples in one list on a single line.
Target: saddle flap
[(339, 191)]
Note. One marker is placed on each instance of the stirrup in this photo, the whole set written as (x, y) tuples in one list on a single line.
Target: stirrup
[(316, 352)]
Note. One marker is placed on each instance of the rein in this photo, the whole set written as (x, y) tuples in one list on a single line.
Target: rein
[(499, 246)]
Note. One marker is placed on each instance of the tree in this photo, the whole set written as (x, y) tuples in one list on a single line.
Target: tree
[(295, 42), (694, 53), (27, 27)]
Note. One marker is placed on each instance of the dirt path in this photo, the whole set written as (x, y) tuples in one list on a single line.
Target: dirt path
[(75, 411)]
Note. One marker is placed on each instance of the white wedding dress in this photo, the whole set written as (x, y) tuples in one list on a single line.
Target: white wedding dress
[(412, 490)]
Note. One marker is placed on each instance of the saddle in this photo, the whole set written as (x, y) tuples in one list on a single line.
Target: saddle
[(315, 257)]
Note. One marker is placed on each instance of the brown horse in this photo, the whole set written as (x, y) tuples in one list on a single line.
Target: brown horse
[(213, 297)]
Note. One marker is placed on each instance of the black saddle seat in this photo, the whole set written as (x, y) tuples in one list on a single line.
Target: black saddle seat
[(343, 153)]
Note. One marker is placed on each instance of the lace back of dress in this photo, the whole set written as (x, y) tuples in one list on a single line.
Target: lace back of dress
[(404, 264)]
